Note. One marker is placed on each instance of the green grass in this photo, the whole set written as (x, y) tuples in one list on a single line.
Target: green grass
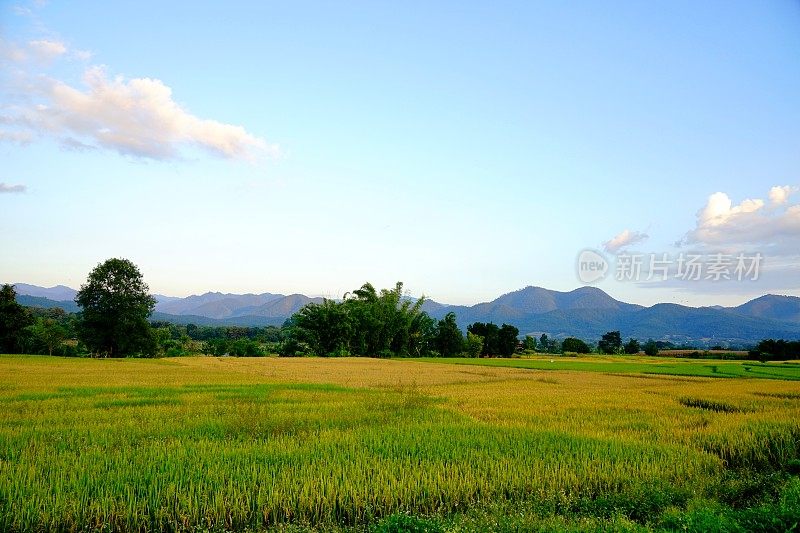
[(641, 365), (197, 444)]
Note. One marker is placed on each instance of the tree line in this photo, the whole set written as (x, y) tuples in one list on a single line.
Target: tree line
[(116, 305)]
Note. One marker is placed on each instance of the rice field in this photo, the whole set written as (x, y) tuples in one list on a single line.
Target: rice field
[(221, 444), (710, 368)]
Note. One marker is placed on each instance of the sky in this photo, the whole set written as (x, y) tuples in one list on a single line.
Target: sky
[(467, 149)]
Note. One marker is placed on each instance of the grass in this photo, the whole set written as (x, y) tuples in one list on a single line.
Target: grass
[(357, 444), (641, 365)]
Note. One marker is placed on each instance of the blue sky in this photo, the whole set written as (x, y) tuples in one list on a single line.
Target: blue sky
[(468, 149)]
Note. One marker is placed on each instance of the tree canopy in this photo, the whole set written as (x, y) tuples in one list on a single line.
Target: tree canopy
[(13, 320), (365, 322), (610, 343), (115, 307)]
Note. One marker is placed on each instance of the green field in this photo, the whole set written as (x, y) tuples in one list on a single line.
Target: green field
[(789, 370), (217, 444)]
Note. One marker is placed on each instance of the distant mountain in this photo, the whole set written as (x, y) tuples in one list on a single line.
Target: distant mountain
[(772, 306), (522, 305), (282, 307), (537, 300), (244, 321), (46, 303), (214, 304), (587, 312), (58, 293)]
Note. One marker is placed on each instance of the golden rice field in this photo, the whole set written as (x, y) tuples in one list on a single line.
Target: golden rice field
[(220, 444)]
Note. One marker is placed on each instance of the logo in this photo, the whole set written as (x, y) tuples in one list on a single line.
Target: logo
[(592, 266)]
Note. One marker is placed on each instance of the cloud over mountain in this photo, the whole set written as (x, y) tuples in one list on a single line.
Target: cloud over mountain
[(749, 224), (626, 238)]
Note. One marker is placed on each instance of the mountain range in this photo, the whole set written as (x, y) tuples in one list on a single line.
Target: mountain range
[(586, 312)]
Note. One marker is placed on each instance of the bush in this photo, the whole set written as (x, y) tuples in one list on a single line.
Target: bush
[(473, 346)]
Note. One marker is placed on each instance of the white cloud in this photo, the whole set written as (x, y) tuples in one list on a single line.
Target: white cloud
[(4, 188), (779, 195), (626, 238), (45, 50), (82, 55), (136, 117), (18, 137), (720, 208), (749, 224), (11, 52)]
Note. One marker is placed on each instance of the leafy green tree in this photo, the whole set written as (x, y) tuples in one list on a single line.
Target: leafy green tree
[(610, 343), (529, 343), (575, 345), (115, 305), (449, 339), (366, 322), (548, 345), (325, 327), (651, 348), (13, 320), (491, 336), (776, 350), (48, 333), (422, 335), (632, 347), (507, 340), (544, 343), (474, 345)]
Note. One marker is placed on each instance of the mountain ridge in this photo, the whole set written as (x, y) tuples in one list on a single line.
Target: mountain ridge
[(585, 312)]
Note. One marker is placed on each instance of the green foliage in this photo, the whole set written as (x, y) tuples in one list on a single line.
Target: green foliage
[(507, 340), (115, 305), (327, 327), (404, 523), (776, 350), (574, 345), (651, 348), (491, 336), (548, 345), (47, 333), (366, 322), (610, 343), (13, 321), (473, 346), (632, 347), (449, 340), (529, 343), (500, 341)]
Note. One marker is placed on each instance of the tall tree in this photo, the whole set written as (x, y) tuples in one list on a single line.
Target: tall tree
[(449, 339), (367, 322), (529, 343), (13, 320), (115, 305), (491, 336), (474, 345), (325, 327), (651, 348), (632, 347), (610, 343), (507, 340)]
